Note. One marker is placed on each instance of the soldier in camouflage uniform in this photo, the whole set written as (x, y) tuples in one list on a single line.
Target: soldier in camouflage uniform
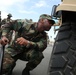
[(8, 19), (28, 44)]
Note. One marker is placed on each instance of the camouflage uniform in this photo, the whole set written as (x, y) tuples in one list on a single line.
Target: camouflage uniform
[(33, 54), (7, 20)]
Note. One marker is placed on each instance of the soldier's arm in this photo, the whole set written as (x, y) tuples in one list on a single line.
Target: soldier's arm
[(5, 29), (40, 45), (3, 21), (10, 26)]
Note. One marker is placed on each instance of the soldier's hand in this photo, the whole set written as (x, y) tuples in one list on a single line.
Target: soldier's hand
[(22, 41), (4, 40)]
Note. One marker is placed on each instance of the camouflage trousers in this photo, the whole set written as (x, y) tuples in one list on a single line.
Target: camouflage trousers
[(32, 56)]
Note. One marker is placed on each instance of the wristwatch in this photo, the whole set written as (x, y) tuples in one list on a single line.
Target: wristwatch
[(28, 45)]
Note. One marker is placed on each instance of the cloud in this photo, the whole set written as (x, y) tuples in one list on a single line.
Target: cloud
[(11, 2), (5, 4), (3, 14), (9, 5), (27, 12), (41, 4)]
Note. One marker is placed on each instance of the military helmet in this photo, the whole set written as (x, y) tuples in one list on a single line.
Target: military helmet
[(9, 15), (46, 16), (67, 5)]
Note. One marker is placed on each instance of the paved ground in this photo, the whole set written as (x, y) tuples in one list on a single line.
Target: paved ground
[(41, 69)]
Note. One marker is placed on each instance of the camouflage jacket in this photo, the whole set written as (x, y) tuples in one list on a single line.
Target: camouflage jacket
[(6, 20), (28, 31)]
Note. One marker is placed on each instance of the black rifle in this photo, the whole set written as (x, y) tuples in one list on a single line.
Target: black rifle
[(0, 24), (1, 51), (1, 57), (0, 18)]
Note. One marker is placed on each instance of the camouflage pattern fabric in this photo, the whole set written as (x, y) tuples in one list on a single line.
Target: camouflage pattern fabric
[(45, 16), (4, 21), (33, 54), (33, 57), (8, 63), (29, 32)]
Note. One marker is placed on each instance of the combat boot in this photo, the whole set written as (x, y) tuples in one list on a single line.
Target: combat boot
[(25, 72)]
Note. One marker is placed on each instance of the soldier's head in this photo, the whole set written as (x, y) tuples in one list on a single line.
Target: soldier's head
[(9, 15), (45, 22)]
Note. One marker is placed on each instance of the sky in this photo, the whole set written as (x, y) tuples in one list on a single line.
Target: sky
[(29, 9)]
